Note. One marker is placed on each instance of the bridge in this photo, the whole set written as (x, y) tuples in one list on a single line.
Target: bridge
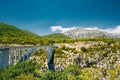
[(12, 55)]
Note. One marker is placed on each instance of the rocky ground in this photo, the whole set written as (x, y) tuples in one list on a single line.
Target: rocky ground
[(105, 57), (100, 58)]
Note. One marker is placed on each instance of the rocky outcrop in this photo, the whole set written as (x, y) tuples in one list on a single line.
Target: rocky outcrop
[(98, 58), (101, 58), (85, 33)]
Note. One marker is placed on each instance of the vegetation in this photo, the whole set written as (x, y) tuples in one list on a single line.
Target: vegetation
[(27, 68), (11, 31), (30, 71), (94, 59), (10, 35), (55, 36), (97, 62)]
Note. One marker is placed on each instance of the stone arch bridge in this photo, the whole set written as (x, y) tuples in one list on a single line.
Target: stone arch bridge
[(12, 55)]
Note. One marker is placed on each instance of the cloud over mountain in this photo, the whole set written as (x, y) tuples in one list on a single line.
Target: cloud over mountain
[(115, 30), (60, 28)]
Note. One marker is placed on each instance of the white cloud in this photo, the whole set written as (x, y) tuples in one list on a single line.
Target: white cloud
[(116, 30), (60, 28), (109, 30), (94, 28), (55, 28)]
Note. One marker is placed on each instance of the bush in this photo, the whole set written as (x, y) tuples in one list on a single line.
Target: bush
[(83, 49)]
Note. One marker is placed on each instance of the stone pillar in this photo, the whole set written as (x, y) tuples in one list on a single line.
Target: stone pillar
[(15, 57), (10, 57), (19, 55)]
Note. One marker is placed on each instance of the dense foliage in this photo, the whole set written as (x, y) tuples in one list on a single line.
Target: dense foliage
[(30, 71), (10, 73), (11, 31), (56, 36)]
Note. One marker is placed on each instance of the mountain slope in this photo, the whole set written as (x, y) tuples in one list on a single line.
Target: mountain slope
[(85, 33), (12, 31), (56, 36)]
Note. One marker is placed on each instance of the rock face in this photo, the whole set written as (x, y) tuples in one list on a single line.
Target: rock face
[(45, 58), (100, 57), (64, 59), (51, 60), (85, 33)]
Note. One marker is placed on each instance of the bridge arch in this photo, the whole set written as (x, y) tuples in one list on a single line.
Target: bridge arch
[(20, 54), (50, 50)]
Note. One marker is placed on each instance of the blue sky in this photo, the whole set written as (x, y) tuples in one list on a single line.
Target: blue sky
[(40, 15)]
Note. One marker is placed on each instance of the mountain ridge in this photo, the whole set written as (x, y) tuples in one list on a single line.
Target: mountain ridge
[(85, 33), (56, 35)]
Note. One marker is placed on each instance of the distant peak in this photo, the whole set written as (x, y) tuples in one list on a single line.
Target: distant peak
[(89, 33)]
